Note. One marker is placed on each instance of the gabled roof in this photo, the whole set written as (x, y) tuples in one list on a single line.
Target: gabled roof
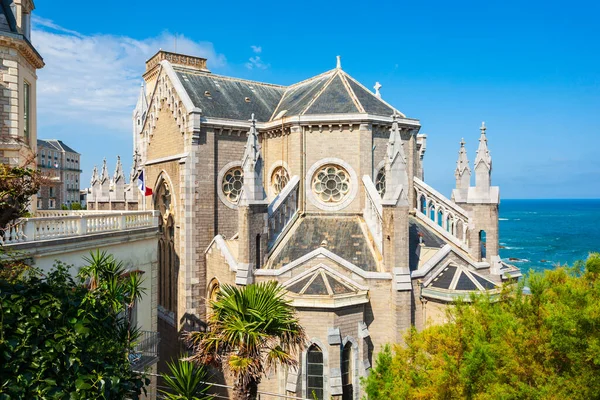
[(324, 287), (55, 144), (453, 280), (229, 98), (8, 22), (340, 235), (332, 92)]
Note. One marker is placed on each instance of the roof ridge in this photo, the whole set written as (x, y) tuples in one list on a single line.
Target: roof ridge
[(229, 78), (357, 103), (294, 85), (320, 92), (371, 93)]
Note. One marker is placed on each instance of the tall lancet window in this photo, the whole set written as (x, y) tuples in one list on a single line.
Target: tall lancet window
[(347, 376), (314, 373), (168, 260)]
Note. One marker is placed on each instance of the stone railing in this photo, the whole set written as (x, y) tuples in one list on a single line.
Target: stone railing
[(373, 211), (444, 213), (64, 213), (283, 209), (83, 223)]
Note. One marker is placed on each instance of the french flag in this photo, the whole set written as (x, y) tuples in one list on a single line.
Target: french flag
[(141, 183)]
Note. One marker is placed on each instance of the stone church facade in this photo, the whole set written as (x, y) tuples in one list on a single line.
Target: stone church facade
[(319, 186)]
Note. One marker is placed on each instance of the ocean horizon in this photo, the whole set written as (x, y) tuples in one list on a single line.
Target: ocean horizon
[(540, 234)]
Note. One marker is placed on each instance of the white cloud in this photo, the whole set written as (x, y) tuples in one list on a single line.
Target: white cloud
[(256, 49), (95, 79), (256, 62)]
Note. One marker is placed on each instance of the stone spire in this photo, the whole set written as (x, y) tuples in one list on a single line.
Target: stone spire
[(94, 176), (396, 178), (119, 175), (252, 165), (104, 176), (462, 172), (483, 163), (139, 114)]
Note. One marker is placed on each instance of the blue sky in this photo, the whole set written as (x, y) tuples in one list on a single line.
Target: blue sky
[(530, 70)]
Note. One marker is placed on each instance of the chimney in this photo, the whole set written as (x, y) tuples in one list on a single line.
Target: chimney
[(182, 60)]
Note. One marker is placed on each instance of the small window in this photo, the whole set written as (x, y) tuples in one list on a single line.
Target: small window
[(347, 389), (26, 110), (314, 373)]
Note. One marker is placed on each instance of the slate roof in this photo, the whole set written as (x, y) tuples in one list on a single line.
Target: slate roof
[(430, 239), (54, 144), (332, 92), (459, 279), (8, 22), (230, 98), (314, 284), (340, 235)]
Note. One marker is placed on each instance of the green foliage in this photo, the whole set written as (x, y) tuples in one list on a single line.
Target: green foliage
[(186, 381), (76, 206), (251, 329), (62, 339), (17, 185), (543, 345)]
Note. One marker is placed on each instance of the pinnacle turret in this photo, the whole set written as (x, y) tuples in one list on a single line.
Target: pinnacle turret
[(395, 164), (252, 165), (462, 172), (119, 175), (94, 176), (104, 176), (483, 153), (483, 163)]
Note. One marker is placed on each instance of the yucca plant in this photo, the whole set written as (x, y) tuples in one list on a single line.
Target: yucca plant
[(186, 381), (250, 330)]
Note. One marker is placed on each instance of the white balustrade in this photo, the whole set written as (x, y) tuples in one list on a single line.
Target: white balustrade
[(373, 211), (444, 213), (82, 223), (283, 209)]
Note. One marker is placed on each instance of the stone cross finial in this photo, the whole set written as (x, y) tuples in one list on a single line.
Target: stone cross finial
[(377, 87), (483, 128), (253, 120), (339, 62), (462, 142)]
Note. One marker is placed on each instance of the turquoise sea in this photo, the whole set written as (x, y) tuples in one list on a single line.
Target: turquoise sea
[(543, 233)]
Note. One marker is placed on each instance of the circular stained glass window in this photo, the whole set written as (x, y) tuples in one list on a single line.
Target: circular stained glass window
[(331, 184), (279, 179), (380, 181), (233, 181)]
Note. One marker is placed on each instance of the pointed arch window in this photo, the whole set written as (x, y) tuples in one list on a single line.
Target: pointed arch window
[(314, 372), (347, 375)]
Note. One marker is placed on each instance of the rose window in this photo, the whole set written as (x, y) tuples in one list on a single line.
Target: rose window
[(380, 182), (331, 184), (233, 181), (279, 179)]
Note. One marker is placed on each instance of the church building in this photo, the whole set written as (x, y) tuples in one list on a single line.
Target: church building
[(319, 186)]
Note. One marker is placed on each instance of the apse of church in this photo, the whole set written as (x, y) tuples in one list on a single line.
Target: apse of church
[(319, 186)]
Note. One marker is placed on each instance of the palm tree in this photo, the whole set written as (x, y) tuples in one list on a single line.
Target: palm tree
[(250, 330)]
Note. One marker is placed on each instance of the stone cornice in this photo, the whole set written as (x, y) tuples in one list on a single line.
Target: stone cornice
[(25, 48), (314, 120)]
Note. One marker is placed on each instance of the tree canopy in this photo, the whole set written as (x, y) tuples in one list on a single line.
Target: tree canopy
[(65, 339), (541, 343)]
